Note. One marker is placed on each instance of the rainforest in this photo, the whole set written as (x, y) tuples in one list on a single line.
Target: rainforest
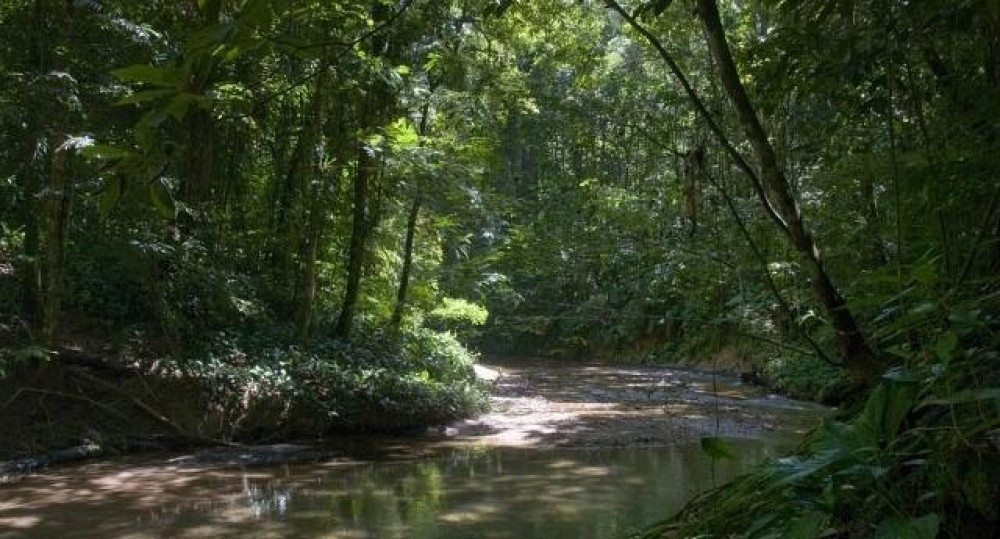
[(500, 268)]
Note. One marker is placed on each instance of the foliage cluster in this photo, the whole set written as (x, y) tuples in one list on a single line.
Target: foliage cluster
[(917, 460), (259, 389), (813, 184)]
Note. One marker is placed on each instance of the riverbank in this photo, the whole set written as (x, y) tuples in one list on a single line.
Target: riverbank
[(589, 439), (539, 404), (241, 391)]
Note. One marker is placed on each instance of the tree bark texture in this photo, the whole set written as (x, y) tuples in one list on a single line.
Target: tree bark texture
[(56, 219)]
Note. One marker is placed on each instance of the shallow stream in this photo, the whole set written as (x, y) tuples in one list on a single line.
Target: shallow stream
[(574, 452)]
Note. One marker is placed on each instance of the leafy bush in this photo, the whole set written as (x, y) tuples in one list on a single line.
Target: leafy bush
[(377, 381), (458, 315), (805, 377)]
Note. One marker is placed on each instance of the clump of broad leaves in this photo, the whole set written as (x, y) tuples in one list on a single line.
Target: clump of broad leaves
[(920, 458), (377, 381)]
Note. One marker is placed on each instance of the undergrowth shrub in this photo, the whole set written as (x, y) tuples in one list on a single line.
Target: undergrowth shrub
[(377, 381), (804, 377), (921, 459)]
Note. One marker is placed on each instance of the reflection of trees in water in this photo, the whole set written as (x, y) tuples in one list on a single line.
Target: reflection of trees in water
[(471, 492), (509, 492)]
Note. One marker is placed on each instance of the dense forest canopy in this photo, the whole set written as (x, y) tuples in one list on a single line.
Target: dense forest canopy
[(325, 204)]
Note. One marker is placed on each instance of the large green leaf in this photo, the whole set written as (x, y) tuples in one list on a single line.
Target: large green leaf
[(159, 194), (964, 396), (716, 448), (109, 196), (887, 405), (144, 96), (168, 77), (925, 527)]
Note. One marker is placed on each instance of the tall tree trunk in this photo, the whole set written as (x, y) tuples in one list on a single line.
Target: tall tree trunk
[(201, 175), (411, 230), (29, 179), (286, 231), (28, 267), (314, 222), (366, 168), (375, 99), (859, 358), (56, 219), (404, 275), (359, 240)]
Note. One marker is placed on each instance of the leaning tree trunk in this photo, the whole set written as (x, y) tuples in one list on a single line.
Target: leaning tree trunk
[(859, 358)]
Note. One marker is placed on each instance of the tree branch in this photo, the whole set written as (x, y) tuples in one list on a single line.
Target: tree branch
[(702, 110)]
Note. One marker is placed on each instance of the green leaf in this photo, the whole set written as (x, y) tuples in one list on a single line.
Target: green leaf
[(716, 448), (180, 105), (169, 77), (925, 527), (806, 526), (964, 396), (210, 8), (144, 96), (945, 346), (159, 194), (110, 195), (403, 134), (885, 408)]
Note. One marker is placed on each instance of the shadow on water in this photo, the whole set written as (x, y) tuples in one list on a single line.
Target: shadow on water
[(468, 492), (577, 452)]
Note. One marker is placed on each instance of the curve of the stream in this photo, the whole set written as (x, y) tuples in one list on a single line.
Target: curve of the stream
[(580, 451)]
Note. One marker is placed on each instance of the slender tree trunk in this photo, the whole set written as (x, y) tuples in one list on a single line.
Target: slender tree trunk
[(286, 211), (404, 275), (201, 163), (314, 222), (859, 358), (308, 299), (368, 163), (56, 219), (28, 268), (366, 167), (411, 229)]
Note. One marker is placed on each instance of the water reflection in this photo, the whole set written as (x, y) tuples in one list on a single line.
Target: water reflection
[(493, 493)]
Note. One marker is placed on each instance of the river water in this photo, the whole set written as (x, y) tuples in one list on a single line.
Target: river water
[(582, 452)]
